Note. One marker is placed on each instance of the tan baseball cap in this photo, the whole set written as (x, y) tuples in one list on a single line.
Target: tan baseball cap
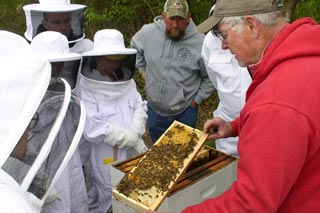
[(230, 8), (176, 8)]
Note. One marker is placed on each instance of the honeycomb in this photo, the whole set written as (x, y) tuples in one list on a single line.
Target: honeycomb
[(161, 165)]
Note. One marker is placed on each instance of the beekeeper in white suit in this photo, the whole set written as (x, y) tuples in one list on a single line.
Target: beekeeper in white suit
[(71, 186), (116, 113), (230, 80), (63, 17), (67, 18), (25, 185)]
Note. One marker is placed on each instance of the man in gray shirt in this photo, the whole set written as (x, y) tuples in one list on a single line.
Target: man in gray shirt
[(169, 59)]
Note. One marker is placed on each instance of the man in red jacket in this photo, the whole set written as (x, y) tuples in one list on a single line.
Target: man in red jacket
[(279, 126)]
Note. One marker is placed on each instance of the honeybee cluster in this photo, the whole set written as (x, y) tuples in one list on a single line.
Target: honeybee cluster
[(160, 165)]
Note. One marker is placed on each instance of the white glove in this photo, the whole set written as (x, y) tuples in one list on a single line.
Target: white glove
[(139, 120), (130, 139), (115, 136), (53, 196), (140, 147)]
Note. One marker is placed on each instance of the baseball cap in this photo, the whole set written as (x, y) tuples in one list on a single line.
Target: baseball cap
[(176, 8), (230, 8)]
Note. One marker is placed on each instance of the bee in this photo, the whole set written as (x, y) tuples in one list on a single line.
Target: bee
[(161, 164)]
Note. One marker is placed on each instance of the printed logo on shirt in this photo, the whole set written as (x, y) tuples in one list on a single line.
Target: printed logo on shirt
[(184, 54)]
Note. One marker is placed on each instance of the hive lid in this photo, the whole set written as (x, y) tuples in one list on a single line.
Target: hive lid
[(148, 183)]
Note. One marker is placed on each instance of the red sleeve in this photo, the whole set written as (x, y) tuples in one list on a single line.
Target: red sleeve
[(272, 147), (235, 126)]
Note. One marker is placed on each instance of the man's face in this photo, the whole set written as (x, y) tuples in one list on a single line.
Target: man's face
[(242, 43), (59, 22), (175, 26)]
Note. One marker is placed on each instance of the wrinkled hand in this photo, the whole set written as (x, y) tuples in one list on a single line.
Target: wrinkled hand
[(140, 147), (217, 128)]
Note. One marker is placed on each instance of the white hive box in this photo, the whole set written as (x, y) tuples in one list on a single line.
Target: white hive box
[(206, 175)]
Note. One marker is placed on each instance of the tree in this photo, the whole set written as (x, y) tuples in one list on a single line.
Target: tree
[(290, 8), (129, 15)]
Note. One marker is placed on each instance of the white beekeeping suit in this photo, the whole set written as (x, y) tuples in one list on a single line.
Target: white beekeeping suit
[(36, 17), (231, 82), (116, 113), (30, 110), (71, 186)]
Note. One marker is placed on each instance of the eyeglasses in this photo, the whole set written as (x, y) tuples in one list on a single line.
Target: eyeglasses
[(59, 22), (222, 35), (34, 121)]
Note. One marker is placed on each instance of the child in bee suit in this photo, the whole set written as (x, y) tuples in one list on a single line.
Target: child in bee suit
[(116, 113), (71, 186)]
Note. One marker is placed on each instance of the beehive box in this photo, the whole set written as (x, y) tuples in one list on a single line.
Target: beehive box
[(170, 196), (148, 183)]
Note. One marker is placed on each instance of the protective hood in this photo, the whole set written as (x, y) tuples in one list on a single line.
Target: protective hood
[(41, 122), (54, 46), (36, 14), (122, 70), (109, 90), (23, 83), (55, 6), (109, 42), (109, 60)]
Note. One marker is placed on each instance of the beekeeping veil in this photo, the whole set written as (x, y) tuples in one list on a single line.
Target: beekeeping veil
[(28, 96), (54, 46), (37, 13), (109, 43)]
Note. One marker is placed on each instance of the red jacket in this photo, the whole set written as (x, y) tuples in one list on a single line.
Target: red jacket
[(279, 130)]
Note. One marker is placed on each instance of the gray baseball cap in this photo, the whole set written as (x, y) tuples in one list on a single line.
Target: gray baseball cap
[(230, 8)]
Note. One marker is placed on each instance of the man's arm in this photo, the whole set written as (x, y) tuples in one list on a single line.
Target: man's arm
[(137, 42), (206, 88)]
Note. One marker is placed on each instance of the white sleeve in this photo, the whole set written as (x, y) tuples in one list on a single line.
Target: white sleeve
[(97, 128)]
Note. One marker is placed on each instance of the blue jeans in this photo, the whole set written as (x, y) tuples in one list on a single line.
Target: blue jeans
[(158, 124)]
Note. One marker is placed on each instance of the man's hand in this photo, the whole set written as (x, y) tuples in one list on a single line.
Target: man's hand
[(143, 75), (217, 128), (194, 104)]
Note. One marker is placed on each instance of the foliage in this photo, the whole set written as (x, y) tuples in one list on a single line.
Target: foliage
[(308, 8), (128, 16), (12, 16)]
